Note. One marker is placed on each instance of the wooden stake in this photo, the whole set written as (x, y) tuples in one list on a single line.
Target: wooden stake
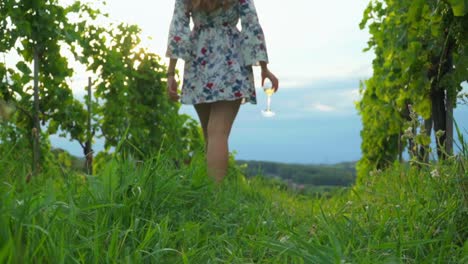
[(89, 139)]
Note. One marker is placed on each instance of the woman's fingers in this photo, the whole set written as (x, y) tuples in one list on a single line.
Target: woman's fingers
[(275, 83)]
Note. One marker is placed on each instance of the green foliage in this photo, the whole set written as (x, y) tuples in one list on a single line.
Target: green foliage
[(420, 48), (131, 105), (41, 27), (405, 215), (343, 174), (135, 108), (153, 212), (63, 158), (459, 7)]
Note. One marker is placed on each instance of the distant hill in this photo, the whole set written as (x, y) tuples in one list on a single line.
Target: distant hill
[(69, 160), (342, 174)]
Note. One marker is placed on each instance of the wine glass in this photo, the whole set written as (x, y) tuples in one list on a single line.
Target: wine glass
[(268, 89)]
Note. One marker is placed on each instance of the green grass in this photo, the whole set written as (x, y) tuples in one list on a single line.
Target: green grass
[(151, 212)]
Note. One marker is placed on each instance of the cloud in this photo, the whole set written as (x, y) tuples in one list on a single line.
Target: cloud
[(320, 107)]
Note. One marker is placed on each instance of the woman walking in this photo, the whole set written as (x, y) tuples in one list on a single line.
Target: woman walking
[(218, 74)]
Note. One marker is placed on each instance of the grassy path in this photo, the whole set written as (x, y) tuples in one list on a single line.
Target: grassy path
[(154, 213)]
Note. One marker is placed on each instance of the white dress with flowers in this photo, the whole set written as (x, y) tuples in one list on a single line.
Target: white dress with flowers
[(218, 57)]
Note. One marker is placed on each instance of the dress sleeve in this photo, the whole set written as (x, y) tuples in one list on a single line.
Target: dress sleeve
[(253, 45), (179, 43)]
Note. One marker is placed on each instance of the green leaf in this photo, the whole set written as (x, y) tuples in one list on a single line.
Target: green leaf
[(23, 68), (415, 10), (367, 15), (459, 7), (423, 139)]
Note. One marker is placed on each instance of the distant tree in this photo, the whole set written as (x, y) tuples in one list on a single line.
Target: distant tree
[(339, 174)]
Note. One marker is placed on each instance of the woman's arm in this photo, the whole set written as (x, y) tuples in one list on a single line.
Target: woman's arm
[(171, 81), (171, 68), (264, 65)]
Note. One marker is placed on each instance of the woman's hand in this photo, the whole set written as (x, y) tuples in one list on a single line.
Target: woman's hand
[(172, 88), (267, 74)]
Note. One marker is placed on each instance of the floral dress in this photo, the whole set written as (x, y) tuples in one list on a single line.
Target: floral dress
[(218, 57)]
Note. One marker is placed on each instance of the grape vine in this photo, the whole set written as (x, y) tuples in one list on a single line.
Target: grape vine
[(421, 50), (130, 107)]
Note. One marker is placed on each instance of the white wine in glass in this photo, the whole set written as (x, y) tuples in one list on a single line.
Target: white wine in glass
[(268, 89)]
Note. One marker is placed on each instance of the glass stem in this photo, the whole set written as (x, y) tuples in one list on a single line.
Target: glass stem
[(269, 103)]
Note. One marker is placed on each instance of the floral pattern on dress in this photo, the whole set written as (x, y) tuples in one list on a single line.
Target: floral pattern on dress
[(253, 40), (218, 57)]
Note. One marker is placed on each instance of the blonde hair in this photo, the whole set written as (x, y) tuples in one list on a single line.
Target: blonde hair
[(208, 5)]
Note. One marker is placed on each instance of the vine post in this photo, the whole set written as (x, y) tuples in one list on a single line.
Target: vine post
[(88, 151)]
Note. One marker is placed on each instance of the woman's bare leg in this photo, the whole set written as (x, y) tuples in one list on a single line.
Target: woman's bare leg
[(221, 118), (203, 111)]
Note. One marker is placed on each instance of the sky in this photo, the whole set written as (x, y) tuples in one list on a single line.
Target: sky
[(315, 49)]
